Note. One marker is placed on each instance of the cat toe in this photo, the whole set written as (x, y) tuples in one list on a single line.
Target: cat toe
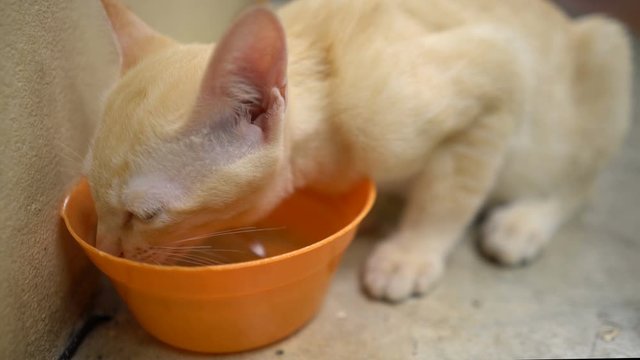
[(395, 272)]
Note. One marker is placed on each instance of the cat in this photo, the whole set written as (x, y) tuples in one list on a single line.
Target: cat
[(463, 105)]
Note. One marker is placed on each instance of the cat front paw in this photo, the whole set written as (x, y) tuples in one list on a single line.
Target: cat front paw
[(398, 270)]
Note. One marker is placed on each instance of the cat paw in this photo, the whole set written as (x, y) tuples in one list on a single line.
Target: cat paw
[(396, 271), (514, 235)]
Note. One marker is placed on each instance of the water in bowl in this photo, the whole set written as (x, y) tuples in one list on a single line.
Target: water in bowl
[(279, 233), (238, 245)]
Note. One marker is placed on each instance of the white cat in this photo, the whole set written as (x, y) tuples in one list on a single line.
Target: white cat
[(461, 103)]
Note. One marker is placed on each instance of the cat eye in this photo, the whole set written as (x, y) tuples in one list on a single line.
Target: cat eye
[(147, 215)]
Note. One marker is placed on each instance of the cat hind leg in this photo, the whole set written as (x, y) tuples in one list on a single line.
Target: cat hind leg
[(516, 233)]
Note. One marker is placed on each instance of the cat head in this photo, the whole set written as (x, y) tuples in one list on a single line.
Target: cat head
[(190, 138)]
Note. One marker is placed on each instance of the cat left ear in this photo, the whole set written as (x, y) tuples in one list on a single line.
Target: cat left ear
[(246, 76)]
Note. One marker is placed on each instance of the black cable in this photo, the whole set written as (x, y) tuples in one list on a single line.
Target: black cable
[(79, 336)]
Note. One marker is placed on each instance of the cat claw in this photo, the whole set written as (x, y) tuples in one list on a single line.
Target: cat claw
[(396, 271)]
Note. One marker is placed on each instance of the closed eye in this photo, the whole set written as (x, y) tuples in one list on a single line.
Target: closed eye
[(146, 215)]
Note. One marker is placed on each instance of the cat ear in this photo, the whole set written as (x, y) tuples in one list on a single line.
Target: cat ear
[(246, 78), (134, 37)]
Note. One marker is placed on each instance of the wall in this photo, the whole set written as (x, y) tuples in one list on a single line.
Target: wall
[(57, 61), (188, 20)]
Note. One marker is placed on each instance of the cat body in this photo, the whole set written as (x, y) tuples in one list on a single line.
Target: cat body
[(460, 105)]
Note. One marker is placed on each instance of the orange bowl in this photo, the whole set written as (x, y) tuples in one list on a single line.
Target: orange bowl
[(239, 306)]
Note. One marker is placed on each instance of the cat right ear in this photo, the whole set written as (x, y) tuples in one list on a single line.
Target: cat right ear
[(135, 39), (246, 78)]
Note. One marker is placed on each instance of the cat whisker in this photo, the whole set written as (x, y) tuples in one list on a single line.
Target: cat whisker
[(197, 254), (186, 261), (67, 157), (69, 163), (172, 259), (206, 251), (185, 247), (202, 257), (218, 234), (194, 259), (149, 258), (198, 247), (191, 258), (70, 151), (210, 254)]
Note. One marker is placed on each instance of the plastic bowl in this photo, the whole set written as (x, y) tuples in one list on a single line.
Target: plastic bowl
[(232, 307)]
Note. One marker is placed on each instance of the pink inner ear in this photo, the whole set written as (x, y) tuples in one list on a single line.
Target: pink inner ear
[(252, 53)]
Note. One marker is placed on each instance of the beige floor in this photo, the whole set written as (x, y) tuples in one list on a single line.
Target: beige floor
[(580, 299)]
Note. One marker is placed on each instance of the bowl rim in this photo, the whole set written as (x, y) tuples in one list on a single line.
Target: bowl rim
[(365, 209)]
